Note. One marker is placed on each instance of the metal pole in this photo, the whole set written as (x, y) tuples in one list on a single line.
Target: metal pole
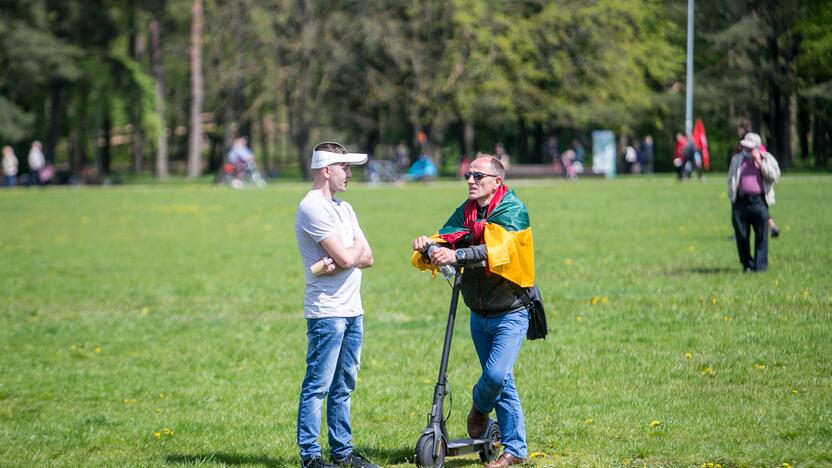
[(689, 82)]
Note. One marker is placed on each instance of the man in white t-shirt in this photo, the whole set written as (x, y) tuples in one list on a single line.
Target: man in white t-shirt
[(333, 250)]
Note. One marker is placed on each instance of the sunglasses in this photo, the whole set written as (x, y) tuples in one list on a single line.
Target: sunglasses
[(478, 176)]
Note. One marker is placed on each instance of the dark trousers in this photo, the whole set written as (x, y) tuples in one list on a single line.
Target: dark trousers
[(751, 212)]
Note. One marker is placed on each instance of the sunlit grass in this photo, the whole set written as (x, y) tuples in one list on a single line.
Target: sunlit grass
[(162, 325)]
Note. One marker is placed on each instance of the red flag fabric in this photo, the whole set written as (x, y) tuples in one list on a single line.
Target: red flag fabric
[(701, 142)]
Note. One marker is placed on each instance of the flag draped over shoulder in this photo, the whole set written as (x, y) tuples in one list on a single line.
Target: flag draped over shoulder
[(505, 230)]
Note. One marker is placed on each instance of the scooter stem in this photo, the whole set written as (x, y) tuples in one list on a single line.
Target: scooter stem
[(441, 382)]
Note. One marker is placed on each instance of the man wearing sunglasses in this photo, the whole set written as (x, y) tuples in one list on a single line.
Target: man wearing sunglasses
[(492, 226), (334, 251)]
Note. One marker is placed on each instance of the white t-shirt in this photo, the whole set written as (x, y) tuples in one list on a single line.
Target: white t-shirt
[(318, 218)]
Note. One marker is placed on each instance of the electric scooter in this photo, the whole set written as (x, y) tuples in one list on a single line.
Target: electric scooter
[(434, 444)]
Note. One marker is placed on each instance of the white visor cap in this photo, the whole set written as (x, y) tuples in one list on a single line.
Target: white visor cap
[(325, 158)]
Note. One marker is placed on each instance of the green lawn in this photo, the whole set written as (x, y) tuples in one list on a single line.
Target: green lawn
[(162, 326)]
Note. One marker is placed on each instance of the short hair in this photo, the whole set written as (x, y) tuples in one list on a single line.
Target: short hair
[(331, 147), (493, 163)]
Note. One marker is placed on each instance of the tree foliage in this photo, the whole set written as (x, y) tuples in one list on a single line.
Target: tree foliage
[(294, 71)]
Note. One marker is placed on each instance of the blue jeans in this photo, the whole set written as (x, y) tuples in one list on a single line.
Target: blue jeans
[(497, 341), (333, 354)]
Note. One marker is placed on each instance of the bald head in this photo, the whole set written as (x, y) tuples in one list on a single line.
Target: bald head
[(489, 164)]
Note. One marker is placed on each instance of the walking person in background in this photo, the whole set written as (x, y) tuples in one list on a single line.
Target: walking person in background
[(36, 163), (501, 154), (742, 129), (10, 165), (751, 179), (332, 243)]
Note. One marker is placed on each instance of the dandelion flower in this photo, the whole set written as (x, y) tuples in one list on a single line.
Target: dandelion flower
[(588, 421), (708, 371), (655, 423), (714, 300), (794, 391), (578, 318), (97, 349), (760, 366), (567, 261), (537, 455), (689, 355), (157, 435)]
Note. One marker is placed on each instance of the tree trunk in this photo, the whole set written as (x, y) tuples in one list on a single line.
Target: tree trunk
[(821, 140), (242, 126), (195, 137), (105, 153), (803, 127), (523, 140), (539, 142), (79, 156), (136, 49), (55, 119), (155, 27), (468, 135), (265, 153)]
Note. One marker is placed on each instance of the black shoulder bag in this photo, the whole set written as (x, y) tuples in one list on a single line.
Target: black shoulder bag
[(538, 329)]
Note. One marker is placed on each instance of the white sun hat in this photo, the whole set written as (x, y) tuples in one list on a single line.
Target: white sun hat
[(325, 158), (751, 141)]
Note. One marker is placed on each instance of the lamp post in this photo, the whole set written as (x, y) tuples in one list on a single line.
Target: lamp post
[(689, 81)]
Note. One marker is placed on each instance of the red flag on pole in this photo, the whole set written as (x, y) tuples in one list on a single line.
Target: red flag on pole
[(701, 142)]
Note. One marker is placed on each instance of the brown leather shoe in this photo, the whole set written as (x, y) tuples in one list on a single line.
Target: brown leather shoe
[(505, 460), (476, 422)]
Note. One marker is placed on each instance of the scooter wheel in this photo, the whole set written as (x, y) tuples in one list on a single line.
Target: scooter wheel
[(490, 451), (428, 454)]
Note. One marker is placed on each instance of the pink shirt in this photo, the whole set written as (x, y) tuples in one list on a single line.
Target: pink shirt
[(751, 180)]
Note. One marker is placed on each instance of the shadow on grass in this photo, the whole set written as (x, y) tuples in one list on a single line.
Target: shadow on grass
[(701, 271), (393, 455), (405, 455), (233, 459)]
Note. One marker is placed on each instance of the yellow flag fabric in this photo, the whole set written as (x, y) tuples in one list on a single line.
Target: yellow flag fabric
[(510, 254)]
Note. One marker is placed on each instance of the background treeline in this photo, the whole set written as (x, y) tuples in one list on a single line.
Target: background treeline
[(163, 86)]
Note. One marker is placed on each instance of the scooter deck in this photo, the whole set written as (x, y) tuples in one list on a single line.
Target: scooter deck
[(459, 443), (458, 447)]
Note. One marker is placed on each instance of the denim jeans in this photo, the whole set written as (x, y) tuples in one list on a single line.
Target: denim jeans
[(497, 340), (332, 359)]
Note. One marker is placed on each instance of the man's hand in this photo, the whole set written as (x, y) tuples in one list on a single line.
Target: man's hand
[(421, 243), (331, 268), (443, 256)]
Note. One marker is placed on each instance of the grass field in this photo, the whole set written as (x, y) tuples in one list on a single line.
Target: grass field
[(162, 326)]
